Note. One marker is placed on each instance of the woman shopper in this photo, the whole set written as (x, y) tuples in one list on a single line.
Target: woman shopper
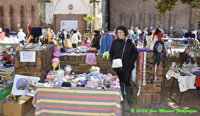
[(126, 50), (96, 40), (75, 39)]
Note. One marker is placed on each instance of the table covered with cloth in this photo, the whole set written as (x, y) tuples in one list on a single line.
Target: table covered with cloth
[(77, 102), (185, 82)]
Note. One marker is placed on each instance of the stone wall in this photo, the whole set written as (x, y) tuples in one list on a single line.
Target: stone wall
[(143, 14), (17, 14)]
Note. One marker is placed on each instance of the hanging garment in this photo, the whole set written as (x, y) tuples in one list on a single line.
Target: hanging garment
[(56, 52), (159, 53), (113, 36), (106, 43), (197, 74), (133, 76), (157, 37), (29, 29), (91, 59)]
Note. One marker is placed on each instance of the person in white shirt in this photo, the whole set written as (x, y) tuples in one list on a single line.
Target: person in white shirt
[(75, 39), (21, 35)]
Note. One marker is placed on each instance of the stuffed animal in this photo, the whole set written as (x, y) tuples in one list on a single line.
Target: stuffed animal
[(106, 55), (95, 69), (56, 63), (6, 58), (68, 69), (53, 75), (60, 77)]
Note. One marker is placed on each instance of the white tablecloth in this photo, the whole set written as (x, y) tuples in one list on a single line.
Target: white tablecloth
[(185, 82)]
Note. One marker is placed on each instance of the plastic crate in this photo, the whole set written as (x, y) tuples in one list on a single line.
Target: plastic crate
[(6, 91)]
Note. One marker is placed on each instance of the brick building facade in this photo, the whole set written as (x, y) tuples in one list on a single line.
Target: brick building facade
[(59, 11), (141, 14), (17, 14), (81, 22)]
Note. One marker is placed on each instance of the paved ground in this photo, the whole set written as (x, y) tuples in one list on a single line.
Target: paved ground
[(190, 101)]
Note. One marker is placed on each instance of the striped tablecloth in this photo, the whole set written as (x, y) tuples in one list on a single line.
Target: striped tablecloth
[(77, 102)]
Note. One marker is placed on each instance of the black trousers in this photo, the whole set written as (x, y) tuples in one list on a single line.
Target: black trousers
[(74, 45), (124, 76), (63, 44)]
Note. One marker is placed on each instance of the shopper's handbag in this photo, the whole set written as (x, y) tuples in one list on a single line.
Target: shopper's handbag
[(117, 63)]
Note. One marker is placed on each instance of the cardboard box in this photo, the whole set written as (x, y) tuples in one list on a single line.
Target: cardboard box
[(1, 106), (14, 109), (3, 94)]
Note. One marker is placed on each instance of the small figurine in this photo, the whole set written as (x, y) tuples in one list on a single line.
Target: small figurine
[(55, 64), (68, 69), (94, 69), (52, 75), (6, 59)]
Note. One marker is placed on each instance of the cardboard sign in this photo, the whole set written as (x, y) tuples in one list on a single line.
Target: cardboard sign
[(24, 85), (68, 25), (27, 56)]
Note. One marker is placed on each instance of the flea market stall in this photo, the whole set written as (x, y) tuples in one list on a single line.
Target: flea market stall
[(80, 81)]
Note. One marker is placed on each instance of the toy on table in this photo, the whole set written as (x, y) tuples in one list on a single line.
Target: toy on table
[(60, 78), (11, 98), (6, 59), (52, 75), (95, 69), (68, 69), (106, 55), (23, 99), (55, 64)]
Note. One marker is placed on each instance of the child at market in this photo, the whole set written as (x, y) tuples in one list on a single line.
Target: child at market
[(87, 42)]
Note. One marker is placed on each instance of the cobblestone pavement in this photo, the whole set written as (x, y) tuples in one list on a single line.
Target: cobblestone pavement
[(190, 101)]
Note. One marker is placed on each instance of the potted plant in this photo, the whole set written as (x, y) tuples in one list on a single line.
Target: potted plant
[(89, 18)]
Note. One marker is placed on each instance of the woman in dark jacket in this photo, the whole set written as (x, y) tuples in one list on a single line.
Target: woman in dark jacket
[(96, 40), (128, 60)]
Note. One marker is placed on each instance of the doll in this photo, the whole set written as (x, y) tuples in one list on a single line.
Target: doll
[(6, 58)]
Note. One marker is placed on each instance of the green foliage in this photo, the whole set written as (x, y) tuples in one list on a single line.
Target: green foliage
[(159, 23), (89, 18), (168, 5)]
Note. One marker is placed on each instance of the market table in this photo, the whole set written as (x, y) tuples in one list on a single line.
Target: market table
[(185, 83), (77, 101)]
